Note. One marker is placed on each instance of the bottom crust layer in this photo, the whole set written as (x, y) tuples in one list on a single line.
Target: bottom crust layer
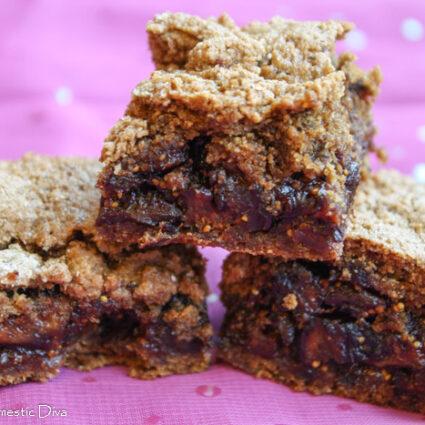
[(367, 385)]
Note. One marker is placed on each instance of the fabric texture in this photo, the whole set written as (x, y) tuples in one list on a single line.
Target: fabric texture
[(67, 70)]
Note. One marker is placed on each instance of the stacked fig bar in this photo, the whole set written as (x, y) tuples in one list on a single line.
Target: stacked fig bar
[(355, 326), (255, 140), (65, 302), (252, 139)]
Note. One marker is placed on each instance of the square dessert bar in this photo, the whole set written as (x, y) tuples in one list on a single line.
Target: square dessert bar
[(355, 327), (251, 139), (63, 302)]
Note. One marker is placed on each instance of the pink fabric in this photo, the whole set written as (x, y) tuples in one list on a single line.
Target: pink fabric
[(67, 69)]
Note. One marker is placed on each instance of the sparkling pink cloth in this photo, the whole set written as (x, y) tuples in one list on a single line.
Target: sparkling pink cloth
[(66, 71)]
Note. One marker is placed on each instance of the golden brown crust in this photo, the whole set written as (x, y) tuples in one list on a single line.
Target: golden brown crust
[(389, 214), (386, 234), (178, 40), (44, 200), (84, 273), (142, 367)]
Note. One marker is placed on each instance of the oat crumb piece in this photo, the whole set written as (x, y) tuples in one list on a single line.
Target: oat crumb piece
[(290, 302)]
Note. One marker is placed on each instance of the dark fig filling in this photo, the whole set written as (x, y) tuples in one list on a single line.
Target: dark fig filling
[(327, 331), (42, 340), (207, 202)]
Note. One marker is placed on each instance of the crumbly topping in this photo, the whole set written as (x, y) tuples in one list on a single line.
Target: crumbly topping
[(43, 200), (389, 214), (236, 91), (278, 88), (276, 49), (17, 266), (82, 272), (126, 137)]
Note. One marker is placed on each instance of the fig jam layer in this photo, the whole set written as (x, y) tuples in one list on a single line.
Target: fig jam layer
[(58, 330), (307, 325), (192, 202)]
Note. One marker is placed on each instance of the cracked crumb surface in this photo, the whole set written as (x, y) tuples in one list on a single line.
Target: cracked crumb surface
[(389, 212), (237, 74), (44, 200), (236, 131), (386, 235), (63, 301)]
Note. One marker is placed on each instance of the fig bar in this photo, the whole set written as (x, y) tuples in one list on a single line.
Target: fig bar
[(63, 302), (251, 139), (355, 328)]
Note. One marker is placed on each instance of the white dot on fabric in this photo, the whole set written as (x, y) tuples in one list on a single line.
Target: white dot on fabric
[(212, 298), (63, 96), (208, 391), (412, 29), (337, 16), (356, 40), (419, 173), (284, 11), (397, 152), (421, 133)]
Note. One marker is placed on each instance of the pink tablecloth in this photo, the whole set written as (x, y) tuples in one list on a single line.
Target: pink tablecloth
[(66, 71)]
